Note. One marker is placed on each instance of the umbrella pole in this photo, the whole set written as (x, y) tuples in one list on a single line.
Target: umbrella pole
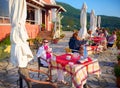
[(20, 82), (20, 79)]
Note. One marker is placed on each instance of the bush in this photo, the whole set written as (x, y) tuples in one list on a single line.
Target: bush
[(118, 39), (118, 57), (6, 41), (4, 45), (117, 70), (4, 52)]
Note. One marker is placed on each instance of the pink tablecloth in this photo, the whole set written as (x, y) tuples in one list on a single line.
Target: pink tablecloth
[(79, 72)]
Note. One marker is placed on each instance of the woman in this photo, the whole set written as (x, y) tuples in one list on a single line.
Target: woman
[(112, 39), (75, 42), (45, 52)]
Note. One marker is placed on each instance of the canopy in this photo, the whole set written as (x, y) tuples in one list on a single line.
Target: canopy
[(20, 51), (92, 21), (83, 21)]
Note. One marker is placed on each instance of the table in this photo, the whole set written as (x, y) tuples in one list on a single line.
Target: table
[(79, 71), (97, 39)]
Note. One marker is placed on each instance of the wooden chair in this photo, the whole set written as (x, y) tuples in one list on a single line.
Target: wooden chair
[(32, 83)]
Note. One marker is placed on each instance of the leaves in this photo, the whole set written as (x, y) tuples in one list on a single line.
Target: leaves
[(117, 70)]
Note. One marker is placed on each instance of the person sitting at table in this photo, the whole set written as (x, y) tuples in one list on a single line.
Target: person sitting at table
[(75, 42), (45, 52), (90, 33), (112, 39)]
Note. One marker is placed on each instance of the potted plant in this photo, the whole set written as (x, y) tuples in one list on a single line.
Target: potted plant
[(62, 36), (117, 74), (42, 27)]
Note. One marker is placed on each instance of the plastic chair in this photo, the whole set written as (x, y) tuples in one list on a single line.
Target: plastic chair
[(32, 83)]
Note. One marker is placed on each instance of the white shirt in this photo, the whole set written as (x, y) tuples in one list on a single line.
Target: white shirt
[(42, 53)]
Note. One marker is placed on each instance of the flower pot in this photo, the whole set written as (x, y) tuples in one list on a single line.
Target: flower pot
[(42, 29), (55, 41)]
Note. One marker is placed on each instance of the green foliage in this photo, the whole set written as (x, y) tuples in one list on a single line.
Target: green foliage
[(72, 19), (118, 57), (62, 36), (3, 45), (35, 41), (43, 25), (118, 38), (117, 70), (6, 41), (3, 54)]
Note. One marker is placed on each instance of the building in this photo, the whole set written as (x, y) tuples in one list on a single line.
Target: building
[(40, 13)]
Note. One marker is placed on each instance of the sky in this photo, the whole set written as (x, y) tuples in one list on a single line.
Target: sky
[(101, 7)]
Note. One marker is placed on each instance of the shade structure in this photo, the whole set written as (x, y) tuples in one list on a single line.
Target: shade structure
[(92, 21), (83, 22), (99, 21), (20, 50), (95, 22)]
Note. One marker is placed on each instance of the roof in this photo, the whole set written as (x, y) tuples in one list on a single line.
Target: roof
[(47, 6), (58, 7), (35, 2)]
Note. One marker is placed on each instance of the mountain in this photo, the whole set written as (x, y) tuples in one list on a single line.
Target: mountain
[(71, 19), (4, 8)]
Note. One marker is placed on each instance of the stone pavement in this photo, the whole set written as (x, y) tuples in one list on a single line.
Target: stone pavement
[(107, 60)]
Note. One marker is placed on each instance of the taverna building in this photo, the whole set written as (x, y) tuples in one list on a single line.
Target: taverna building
[(39, 13)]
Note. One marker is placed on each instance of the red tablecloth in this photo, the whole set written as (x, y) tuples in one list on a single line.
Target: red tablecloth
[(93, 47), (97, 39), (75, 60), (63, 61)]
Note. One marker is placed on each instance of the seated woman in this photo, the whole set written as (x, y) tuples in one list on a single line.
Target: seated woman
[(45, 52), (112, 39), (75, 42)]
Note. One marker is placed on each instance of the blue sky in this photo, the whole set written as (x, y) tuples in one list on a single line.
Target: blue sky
[(101, 7)]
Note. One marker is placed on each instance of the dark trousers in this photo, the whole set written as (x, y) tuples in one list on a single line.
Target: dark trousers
[(109, 45)]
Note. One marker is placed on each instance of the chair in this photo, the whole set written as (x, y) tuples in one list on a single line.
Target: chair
[(32, 83), (41, 65)]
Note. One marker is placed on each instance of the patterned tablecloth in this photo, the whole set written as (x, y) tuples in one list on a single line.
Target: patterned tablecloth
[(79, 70)]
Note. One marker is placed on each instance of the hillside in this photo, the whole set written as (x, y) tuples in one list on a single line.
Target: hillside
[(71, 19)]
